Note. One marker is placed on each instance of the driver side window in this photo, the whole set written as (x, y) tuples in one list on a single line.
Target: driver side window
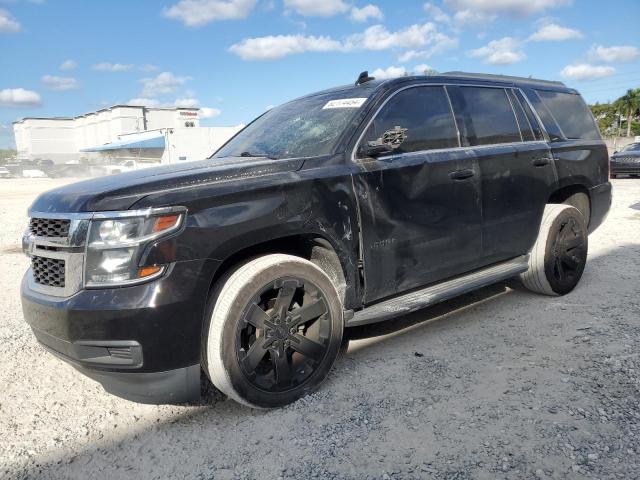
[(424, 112)]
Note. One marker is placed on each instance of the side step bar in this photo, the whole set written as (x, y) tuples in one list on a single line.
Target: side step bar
[(439, 292)]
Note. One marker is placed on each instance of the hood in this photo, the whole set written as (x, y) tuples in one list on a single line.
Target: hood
[(121, 191)]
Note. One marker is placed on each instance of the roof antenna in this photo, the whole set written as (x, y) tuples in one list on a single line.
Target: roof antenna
[(364, 78)]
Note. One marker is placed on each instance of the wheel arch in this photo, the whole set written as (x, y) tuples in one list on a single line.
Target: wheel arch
[(311, 246), (576, 195)]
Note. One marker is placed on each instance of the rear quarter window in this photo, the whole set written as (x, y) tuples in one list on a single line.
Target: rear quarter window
[(571, 114)]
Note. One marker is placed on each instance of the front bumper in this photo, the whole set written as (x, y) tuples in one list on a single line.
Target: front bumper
[(625, 168), (140, 342)]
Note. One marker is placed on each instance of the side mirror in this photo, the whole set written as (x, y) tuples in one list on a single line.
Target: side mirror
[(615, 152), (390, 140)]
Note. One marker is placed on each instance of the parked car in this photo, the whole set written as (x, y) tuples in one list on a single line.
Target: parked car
[(120, 166), (345, 207), (626, 161), (33, 173), (5, 173)]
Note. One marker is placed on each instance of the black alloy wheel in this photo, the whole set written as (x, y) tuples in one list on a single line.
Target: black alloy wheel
[(568, 254), (284, 335)]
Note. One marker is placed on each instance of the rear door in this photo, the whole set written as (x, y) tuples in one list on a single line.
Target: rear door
[(420, 205), (580, 155), (516, 169)]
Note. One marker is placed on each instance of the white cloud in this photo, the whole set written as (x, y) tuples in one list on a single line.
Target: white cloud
[(8, 24), (416, 36), (423, 69), (442, 44), (619, 54), (586, 71), (422, 40), (365, 13), (147, 67), (112, 67), (206, 112), (390, 72), (163, 83), (554, 32), (436, 13), (195, 13), (317, 8), (518, 8), (278, 46), (19, 98), (144, 102), (186, 102), (473, 17), (68, 65), (395, 72), (60, 83), (500, 52)]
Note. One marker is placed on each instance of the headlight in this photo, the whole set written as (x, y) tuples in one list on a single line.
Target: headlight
[(116, 242)]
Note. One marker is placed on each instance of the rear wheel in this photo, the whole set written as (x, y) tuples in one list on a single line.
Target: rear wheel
[(274, 331), (559, 255)]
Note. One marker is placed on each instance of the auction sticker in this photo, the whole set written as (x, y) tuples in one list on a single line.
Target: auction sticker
[(345, 103)]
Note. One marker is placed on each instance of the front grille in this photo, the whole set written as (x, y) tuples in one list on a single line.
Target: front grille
[(49, 227), (48, 271), (627, 159)]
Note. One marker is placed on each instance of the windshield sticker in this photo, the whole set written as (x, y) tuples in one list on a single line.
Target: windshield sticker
[(345, 103)]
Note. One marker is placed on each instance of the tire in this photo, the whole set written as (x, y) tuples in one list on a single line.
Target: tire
[(581, 201), (558, 257), (273, 331)]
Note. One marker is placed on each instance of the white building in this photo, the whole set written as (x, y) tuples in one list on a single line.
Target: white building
[(146, 134)]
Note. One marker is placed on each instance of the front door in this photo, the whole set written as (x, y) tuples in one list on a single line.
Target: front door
[(419, 205)]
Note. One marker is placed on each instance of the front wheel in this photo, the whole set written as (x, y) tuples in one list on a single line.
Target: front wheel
[(274, 331), (559, 255)]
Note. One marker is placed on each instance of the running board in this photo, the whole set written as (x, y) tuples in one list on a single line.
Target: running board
[(439, 292)]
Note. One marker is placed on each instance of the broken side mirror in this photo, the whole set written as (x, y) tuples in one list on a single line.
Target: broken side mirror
[(390, 140)]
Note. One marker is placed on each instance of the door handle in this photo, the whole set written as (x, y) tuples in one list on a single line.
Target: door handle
[(541, 162), (461, 174)]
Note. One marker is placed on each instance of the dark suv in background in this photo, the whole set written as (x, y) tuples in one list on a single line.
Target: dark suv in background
[(626, 161), (341, 208)]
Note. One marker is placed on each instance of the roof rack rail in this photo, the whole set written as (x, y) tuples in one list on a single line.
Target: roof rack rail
[(504, 78)]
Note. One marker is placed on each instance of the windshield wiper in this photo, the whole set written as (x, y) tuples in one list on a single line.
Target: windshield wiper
[(264, 155)]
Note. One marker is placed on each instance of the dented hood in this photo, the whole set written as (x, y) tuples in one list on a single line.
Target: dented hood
[(121, 191)]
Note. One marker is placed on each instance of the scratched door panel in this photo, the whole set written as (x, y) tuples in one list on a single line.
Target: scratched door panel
[(419, 225)]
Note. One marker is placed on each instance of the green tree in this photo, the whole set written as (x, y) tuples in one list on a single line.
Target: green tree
[(6, 154), (628, 105), (605, 115)]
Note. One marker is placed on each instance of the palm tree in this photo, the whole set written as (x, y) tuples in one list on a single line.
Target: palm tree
[(627, 105)]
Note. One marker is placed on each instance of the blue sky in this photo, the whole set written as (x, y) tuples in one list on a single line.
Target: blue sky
[(235, 58)]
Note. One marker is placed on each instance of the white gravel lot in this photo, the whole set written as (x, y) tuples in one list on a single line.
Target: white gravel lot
[(496, 384)]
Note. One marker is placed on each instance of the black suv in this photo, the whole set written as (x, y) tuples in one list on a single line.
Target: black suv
[(341, 208), (626, 161)]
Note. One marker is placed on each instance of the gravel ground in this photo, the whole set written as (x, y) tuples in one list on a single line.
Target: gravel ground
[(496, 384)]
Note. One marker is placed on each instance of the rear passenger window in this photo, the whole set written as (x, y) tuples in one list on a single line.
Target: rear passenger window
[(491, 116), (571, 114), (424, 112)]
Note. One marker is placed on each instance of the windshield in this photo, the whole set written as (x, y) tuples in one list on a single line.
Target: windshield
[(307, 127), (632, 148)]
